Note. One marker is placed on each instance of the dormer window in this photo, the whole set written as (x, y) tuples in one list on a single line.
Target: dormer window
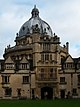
[(9, 66)]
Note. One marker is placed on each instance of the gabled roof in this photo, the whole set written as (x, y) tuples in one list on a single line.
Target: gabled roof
[(9, 60), (69, 59)]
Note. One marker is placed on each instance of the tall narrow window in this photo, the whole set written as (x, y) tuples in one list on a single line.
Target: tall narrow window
[(19, 92), (5, 79), (33, 95), (42, 73), (50, 56), (74, 91), (47, 56), (46, 47), (51, 73), (42, 57)]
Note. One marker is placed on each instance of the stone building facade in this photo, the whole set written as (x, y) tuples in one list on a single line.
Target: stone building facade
[(38, 66)]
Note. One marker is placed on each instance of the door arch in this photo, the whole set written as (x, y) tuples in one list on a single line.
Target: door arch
[(46, 93), (62, 93)]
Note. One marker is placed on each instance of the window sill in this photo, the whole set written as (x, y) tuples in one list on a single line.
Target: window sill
[(26, 83), (74, 94), (7, 95), (63, 83), (5, 83)]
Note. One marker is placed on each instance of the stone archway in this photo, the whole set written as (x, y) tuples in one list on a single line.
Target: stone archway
[(46, 93)]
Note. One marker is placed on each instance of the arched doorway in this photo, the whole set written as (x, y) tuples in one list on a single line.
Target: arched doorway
[(46, 93), (62, 93)]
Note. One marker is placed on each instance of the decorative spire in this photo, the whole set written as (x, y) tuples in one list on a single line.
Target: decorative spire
[(35, 6), (35, 12)]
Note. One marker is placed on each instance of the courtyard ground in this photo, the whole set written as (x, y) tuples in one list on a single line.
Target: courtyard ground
[(41, 103)]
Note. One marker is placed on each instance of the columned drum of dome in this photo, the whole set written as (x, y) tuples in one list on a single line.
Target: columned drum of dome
[(35, 25)]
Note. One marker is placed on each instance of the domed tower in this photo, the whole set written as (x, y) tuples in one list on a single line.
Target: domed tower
[(30, 36), (37, 55)]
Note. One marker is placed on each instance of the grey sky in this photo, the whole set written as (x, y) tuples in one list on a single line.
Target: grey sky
[(62, 15)]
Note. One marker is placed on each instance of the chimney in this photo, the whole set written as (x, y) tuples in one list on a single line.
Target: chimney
[(67, 46)]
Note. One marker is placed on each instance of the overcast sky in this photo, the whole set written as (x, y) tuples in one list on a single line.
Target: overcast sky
[(62, 15)]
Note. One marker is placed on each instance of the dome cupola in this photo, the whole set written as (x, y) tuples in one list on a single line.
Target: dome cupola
[(35, 25), (35, 12)]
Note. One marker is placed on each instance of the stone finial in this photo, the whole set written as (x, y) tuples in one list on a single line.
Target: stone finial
[(34, 6), (17, 34)]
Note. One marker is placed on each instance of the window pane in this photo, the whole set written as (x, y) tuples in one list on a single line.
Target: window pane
[(46, 56), (62, 79), (5, 79), (42, 57), (8, 91), (74, 90), (42, 73), (25, 79), (46, 46)]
